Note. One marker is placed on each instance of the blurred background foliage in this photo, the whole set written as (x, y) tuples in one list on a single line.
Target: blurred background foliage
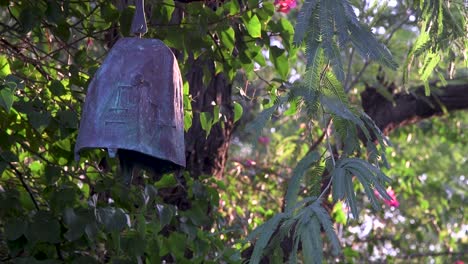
[(54, 209)]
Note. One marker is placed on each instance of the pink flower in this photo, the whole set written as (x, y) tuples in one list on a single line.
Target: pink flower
[(264, 140), (393, 201), (285, 6), (250, 163)]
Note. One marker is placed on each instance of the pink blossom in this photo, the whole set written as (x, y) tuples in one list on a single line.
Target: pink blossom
[(393, 201), (285, 6), (264, 140), (250, 163)]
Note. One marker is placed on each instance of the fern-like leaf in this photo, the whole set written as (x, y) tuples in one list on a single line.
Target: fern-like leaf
[(325, 221), (266, 231), (298, 174), (303, 20), (368, 46), (311, 241)]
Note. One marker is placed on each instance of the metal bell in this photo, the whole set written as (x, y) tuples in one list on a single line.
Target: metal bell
[(134, 106)]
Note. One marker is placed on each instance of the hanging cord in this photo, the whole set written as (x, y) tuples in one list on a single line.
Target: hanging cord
[(139, 27)]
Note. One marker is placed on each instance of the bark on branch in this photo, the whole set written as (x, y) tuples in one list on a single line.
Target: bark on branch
[(409, 108)]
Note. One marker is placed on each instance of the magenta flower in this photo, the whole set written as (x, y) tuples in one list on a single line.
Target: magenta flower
[(250, 163), (285, 6), (393, 201), (264, 140)]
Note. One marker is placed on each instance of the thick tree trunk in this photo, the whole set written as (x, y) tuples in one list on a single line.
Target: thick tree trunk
[(208, 155)]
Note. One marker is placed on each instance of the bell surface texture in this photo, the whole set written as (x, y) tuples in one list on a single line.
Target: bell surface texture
[(134, 104)]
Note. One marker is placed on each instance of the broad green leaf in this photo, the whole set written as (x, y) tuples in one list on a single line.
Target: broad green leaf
[(54, 12), (76, 224), (29, 18), (228, 39), (14, 228), (4, 67), (63, 31), (113, 219), (280, 61), (166, 213), (44, 228), (126, 20), (206, 121), (167, 180), (163, 10), (6, 99), (109, 12), (254, 27), (238, 110), (57, 88)]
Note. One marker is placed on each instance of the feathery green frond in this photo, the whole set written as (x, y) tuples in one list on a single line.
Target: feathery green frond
[(313, 41), (327, 225), (303, 20), (267, 230), (319, 23), (369, 47), (327, 30), (338, 181), (260, 121), (351, 196), (298, 174), (311, 241)]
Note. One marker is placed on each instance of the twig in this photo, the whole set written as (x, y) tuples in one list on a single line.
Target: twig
[(25, 185)]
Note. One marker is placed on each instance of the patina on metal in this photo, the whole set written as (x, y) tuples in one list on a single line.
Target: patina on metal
[(134, 106)]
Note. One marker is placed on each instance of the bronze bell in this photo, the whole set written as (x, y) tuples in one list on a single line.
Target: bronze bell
[(134, 107)]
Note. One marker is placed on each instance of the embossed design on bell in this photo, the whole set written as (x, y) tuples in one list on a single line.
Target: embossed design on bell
[(134, 105)]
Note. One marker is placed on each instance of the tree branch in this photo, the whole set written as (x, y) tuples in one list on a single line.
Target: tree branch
[(409, 108)]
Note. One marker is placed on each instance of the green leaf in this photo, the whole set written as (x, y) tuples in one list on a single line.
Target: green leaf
[(280, 61), (266, 231), (126, 20), (163, 11), (206, 121), (4, 66), (338, 175), (253, 25), (39, 120), (228, 39), (57, 88), (63, 31), (15, 228), (298, 173), (327, 224), (44, 228), (311, 241), (54, 12), (238, 110), (113, 219), (108, 12), (29, 18), (76, 224), (6, 99), (133, 244), (303, 20), (166, 212)]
